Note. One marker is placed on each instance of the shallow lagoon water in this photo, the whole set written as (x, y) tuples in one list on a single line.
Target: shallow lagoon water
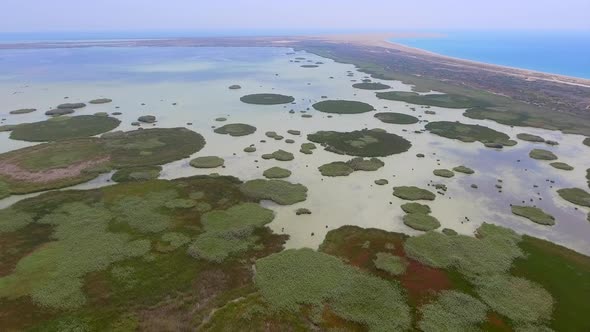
[(197, 80)]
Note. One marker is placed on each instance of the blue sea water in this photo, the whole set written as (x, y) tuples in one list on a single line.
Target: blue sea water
[(565, 53)]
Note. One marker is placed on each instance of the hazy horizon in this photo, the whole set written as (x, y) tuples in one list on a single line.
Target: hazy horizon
[(132, 16)]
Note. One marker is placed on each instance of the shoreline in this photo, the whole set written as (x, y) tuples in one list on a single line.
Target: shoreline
[(533, 98), (383, 40), (373, 39)]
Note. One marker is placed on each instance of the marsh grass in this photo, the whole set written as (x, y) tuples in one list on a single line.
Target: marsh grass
[(207, 162), (342, 107), (492, 253), (452, 311), (229, 231), (439, 100), (469, 133), (389, 263), (361, 143), (82, 245), (137, 174), (411, 193), (293, 278), (235, 129), (541, 154), (396, 118), (519, 299), (534, 214), (276, 173), (575, 195), (278, 191), (267, 99)]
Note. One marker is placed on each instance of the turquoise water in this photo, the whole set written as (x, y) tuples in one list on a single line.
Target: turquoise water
[(566, 53)]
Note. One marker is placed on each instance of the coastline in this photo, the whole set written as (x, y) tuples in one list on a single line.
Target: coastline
[(374, 40), (382, 40), (536, 99)]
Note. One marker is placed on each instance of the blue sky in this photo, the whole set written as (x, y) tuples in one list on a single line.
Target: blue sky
[(293, 15)]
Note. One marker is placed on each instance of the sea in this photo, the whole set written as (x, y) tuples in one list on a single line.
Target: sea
[(557, 52)]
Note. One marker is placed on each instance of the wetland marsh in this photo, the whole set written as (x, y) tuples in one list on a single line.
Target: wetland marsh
[(222, 179)]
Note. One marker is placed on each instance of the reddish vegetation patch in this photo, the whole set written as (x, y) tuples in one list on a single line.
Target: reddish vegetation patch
[(422, 281), (21, 314), (332, 321), (16, 245), (18, 173), (498, 324)]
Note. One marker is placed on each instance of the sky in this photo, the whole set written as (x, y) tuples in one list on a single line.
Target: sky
[(291, 15)]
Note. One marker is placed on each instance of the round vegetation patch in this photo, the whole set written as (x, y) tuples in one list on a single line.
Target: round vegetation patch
[(147, 119), (292, 278), (470, 133), (391, 264), (235, 129), (562, 166), (71, 106), (381, 182), (267, 99), (416, 208), (534, 214), (396, 118), (337, 168), (278, 191), (575, 195), (445, 173), (23, 111), (412, 193), (276, 173), (541, 154), (421, 222), (137, 174), (362, 143), (371, 86), (64, 128), (530, 138), (343, 107), (100, 101), (453, 311), (521, 300), (280, 155), (463, 169), (207, 162), (59, 111), (340, 168)]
